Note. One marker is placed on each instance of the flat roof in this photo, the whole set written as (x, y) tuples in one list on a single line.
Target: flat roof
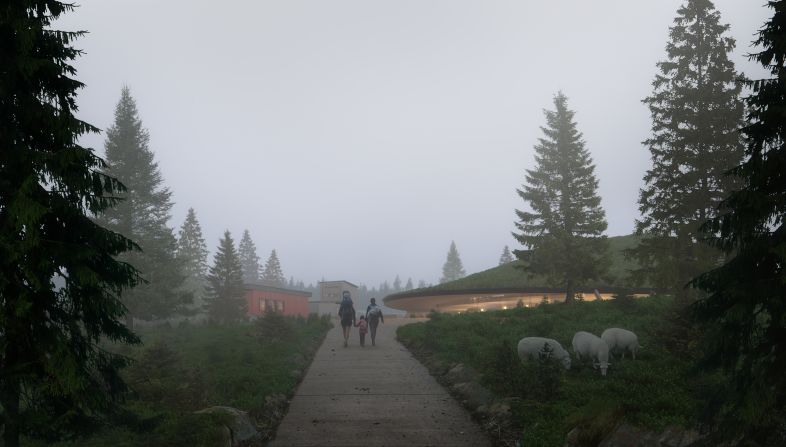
[(338, 281), (267, 287)]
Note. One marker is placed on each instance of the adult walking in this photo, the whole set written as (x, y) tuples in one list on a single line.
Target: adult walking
[(374, 316), (346, 313)]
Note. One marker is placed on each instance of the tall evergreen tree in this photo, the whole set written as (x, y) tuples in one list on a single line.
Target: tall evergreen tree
[(60, 282), (226, 294), (696, 114), (397, 284), (248, 258), (273, 272), (142, 216), (563, 231), (506, 257), (452, 269), (745, 308), (409, 285), (192, 255)]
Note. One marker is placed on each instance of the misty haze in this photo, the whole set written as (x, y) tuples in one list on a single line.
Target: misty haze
[(302, 223)]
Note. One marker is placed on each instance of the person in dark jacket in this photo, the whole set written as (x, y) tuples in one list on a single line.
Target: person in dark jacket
[(374, 316), (346, 313)]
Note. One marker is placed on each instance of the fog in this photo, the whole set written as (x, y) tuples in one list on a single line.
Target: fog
[(359, 138)]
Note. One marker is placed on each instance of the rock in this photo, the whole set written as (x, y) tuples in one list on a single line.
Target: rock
[(626, 435), (678, 437), (460, 374), (474, 394), (240, 427), (572, 439)]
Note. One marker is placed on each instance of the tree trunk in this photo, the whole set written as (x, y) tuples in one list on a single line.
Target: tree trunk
[(9, 399), (570, 296)]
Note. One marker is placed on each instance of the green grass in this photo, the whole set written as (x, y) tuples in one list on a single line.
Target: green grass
[(179, 370), (654, 391), (511, 275)]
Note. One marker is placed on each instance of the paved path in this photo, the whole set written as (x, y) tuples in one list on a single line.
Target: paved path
[(373, 396)]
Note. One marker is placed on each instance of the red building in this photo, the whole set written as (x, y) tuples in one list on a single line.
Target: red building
[(262, 297)]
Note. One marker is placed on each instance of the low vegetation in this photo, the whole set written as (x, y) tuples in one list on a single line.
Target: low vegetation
[(182, 369), (657, 390)]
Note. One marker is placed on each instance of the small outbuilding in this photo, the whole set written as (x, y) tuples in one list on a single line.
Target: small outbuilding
[(330, 293), (262, 297)]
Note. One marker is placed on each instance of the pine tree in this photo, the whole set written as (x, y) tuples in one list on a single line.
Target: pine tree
[(397, 284), (192, 255), (506, 257), (142, 216), (248, 258), (409, 285), (421, 284), (744, 314), (273, 273), (563, 231), (60, 282), (452, 269), (226, 301), (696, 113)]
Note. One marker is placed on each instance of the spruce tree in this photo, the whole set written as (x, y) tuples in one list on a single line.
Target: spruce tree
[(273, 273), (562, 231), (696, 114), (142, 216), (452, 269), (397, 284), (60, 282), (248, 258), (744, 312), (226, 301), (506, 257), (192, 255), (409, 285)]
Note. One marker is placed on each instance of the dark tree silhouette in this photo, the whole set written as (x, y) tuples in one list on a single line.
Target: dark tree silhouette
[(60, 281)]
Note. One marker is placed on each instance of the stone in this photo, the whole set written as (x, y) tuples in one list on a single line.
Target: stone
[(473, 394), (626, 435), (240, 426), (459, 374), (675, 436)]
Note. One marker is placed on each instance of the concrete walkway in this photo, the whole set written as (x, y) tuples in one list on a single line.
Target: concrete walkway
[(373, 396)]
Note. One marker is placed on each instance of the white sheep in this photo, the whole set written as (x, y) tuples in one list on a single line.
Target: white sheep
[(593, 347), (621, 339), (530, 348)]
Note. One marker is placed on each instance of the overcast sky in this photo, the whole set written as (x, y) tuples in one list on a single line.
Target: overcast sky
[(358, 138)]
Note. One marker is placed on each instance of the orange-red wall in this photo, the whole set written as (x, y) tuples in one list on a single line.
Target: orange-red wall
[(293, 304)]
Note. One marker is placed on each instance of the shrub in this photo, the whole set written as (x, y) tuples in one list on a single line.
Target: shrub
[(274, 328)]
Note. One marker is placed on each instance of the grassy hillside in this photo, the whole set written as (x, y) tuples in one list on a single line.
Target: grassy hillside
[(656, 390), (511, 275)]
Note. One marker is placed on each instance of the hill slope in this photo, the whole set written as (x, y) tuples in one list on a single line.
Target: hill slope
[(511, 275)]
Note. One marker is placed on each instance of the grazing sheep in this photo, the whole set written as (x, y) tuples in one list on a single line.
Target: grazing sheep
[(621, 339), (530, 347), (591, 346)]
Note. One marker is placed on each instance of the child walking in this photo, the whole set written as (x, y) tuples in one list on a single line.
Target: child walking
[(362, 329)]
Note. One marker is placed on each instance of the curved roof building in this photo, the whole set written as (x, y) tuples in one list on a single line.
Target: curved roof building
[(507, 286)]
